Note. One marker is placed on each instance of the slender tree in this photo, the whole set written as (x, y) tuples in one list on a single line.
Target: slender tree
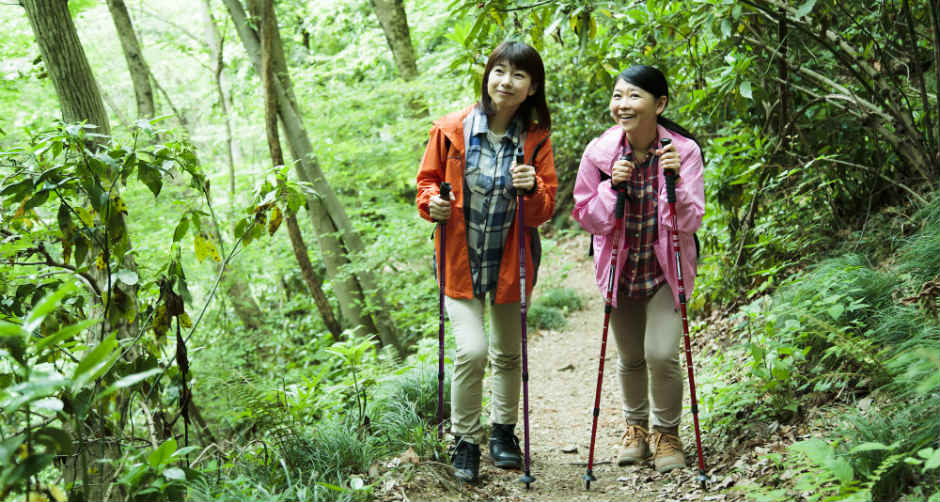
[(391, 14), (313, 280), (136, 64), (215, 42), (336, 236)]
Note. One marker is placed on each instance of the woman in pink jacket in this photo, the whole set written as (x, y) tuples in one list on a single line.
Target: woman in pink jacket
[(645, 318)]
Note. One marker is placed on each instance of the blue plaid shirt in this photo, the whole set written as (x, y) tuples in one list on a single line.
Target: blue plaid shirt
[(489, 199)]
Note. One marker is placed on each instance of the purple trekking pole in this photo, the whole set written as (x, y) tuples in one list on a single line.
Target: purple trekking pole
[(526, 478), (445, 194)]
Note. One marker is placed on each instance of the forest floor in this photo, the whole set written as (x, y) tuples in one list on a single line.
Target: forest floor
[(563, 376)]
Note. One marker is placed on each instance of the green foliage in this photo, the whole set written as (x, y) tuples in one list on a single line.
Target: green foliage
[(549, 309), (152, 475), (837, 330)]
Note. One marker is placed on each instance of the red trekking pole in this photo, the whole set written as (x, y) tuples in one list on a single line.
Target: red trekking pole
[(445, 194), (618, 228), (671, 176), (526, 478)]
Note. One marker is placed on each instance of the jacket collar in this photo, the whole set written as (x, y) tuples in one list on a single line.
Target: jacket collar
[(452, 127)]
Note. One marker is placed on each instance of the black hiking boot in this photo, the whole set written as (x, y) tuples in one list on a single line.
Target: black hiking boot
[(504, 447), (465, 458)]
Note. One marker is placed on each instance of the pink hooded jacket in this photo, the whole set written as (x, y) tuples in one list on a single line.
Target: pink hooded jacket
[(594, 202)]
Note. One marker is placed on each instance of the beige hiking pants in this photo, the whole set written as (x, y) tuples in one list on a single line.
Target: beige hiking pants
[(647, 334), (505, 356)]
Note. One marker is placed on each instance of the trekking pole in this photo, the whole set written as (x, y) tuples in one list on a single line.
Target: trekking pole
[(671, 176), (445, 194), (618, 228), (526, 478)]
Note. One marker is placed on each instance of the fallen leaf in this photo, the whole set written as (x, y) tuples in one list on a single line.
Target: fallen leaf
[(410, 456)]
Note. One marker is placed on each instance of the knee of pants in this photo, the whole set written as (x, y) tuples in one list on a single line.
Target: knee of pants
[(505, 361), (663, 361), (474, 355), (630, 365)]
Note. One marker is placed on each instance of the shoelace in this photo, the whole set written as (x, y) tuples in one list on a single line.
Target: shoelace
[(461, 455), (632, 434), (667, 444)]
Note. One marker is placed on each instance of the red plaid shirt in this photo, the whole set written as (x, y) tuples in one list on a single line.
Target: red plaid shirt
[(641, 275)]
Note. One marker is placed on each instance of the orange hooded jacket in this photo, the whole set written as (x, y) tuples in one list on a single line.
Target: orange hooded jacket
[(444, 160)]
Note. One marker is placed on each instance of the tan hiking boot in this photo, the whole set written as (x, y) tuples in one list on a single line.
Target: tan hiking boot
[(635, 448), (667, 451)]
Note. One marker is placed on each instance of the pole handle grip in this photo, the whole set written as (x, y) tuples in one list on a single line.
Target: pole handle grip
[(671, 175), (445, 191)]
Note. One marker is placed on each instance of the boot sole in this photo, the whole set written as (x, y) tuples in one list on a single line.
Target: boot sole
[(507, 464)]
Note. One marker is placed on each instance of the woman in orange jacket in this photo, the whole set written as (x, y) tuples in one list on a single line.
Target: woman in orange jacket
[(474, 151)]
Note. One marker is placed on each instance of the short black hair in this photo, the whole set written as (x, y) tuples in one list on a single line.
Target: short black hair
[(534, 110)]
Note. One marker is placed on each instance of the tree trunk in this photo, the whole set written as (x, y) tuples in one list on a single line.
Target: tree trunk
[(313, 280), (65, 60), (136, 64), (80, 101), (391, 14), (215, 45), (334, 230), (277, 156)]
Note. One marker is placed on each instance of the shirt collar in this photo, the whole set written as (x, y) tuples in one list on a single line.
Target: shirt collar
[(480, 124)]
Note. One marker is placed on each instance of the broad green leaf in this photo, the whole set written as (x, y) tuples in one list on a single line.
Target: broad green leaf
[(150, 176), (805, 9), (745, 89), (162, 454), (127, 382), (835, 311), (868, 446), (842, 470), (128, 277), (174, 473), (64, 334), (37, 200), (13, 339), (96, 362), (49, 403), (31, 390), (57, 440), (19, 188), (932, 458), (9, 446), (45, 306), (181, 228)]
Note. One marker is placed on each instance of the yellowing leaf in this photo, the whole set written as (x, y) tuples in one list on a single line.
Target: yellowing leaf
[(206, 248), (37, 497), (185, 321), (57, 493), (118, 205), (88, 218), (275, 220), (99, 262)]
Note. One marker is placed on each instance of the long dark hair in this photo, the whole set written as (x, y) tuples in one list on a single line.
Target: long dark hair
[(653, 81), (534, 110)]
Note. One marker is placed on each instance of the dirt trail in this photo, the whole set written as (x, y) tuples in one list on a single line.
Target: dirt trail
[(563, 377)]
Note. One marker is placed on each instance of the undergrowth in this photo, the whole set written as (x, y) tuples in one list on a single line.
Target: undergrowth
[(844, 331)]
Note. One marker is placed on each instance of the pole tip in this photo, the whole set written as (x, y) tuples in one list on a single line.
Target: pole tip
[(588, 477), (702, 479)]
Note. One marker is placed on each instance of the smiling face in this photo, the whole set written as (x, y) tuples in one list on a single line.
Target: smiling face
[(634, 109), (508, 86)]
